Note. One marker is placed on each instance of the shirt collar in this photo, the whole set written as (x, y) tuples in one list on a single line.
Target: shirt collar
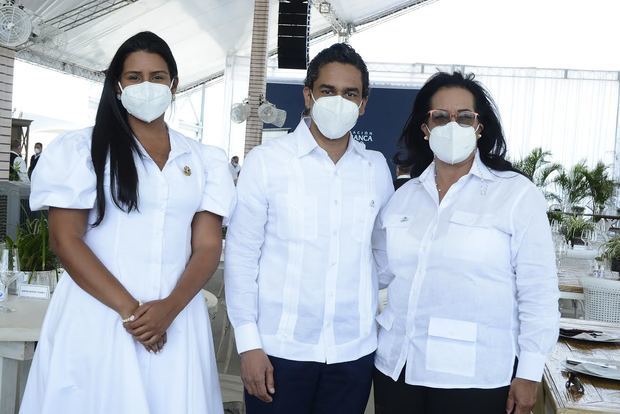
[(304, 139), (178, 145), (478, 169), (306, 142)]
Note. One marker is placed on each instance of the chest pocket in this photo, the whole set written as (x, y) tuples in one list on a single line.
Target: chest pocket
[(296, 218), (475, 237), (403, 238)]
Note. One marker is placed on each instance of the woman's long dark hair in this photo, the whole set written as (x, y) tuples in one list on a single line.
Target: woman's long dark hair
[(491, 145), (112, 135)]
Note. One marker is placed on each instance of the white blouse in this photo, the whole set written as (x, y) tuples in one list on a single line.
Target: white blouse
[(472, 281)]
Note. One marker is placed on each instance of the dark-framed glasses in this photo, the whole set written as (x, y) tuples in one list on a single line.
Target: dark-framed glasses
[(440, 117)]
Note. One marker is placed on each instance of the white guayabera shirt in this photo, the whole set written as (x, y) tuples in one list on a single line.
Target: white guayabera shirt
[(299, 269), (472, 281)]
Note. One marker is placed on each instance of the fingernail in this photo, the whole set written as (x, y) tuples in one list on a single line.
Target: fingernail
[(272, 390)]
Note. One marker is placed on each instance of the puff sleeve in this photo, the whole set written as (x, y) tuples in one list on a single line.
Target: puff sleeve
[(64, 176), (219, 195)]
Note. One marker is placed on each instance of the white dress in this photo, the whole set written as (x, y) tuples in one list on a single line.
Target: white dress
[(85, 361)]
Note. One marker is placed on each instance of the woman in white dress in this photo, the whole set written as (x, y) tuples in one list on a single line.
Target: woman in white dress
[(135, 215)]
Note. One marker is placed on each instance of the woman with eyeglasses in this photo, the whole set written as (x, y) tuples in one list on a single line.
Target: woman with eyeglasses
[(135, 216), (466, 250)]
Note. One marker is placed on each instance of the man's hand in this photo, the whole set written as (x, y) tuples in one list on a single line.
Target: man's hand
[(257, 374), (521, 397)]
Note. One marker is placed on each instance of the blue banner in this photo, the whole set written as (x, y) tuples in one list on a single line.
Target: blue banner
[(379, 128)]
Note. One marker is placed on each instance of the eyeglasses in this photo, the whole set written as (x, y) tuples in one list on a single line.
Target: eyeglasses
[(442, 117)]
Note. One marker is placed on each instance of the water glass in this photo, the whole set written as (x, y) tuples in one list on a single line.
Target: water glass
[(9, 269)]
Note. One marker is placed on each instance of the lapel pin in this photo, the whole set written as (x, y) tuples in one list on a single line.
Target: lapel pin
[(187, 171), (404, 219)]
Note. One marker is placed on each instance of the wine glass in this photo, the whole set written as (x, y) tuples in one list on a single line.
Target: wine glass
[(9, 272)]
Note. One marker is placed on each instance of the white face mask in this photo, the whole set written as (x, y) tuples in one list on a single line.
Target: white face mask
[(334, 115), (37, 151), (452, 143), (146, 101)]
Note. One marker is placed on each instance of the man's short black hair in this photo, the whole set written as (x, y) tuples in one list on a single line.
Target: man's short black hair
[(341, 53)]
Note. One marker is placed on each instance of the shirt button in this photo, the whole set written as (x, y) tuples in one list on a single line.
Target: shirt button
[(335, 233), (336, 202)]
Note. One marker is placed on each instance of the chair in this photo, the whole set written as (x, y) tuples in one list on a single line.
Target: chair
[(576, 303), (602, 299)]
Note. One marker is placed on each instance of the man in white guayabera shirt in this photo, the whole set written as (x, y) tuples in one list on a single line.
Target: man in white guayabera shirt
[(300, 286)]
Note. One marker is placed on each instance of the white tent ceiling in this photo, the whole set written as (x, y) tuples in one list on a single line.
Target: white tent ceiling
[(200, 32)]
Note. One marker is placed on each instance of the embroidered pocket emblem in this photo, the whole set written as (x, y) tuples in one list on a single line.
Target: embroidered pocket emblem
[(404, 219)]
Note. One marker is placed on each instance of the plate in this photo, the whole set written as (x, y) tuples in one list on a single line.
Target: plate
[(590, 336), (596, 368)]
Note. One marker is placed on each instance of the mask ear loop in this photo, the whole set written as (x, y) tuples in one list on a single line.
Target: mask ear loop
[(118, 95), (484, 185), (427, 137), (478, 135)]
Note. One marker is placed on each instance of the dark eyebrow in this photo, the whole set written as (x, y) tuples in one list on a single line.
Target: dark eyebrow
[(333, 88), (137, 72), (458, 110)]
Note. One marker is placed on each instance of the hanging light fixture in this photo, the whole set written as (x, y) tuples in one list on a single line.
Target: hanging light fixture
[(240, 111), (269, 114)]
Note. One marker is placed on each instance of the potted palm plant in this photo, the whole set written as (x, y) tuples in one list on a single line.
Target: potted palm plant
[(540, 170), (35, 256), (601, 186), (574, 227), (555, 217), (611, 251), (573, 187)]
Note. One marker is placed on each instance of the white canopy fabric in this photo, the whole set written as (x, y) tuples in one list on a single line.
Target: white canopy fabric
[(201, 33), (210, 37)]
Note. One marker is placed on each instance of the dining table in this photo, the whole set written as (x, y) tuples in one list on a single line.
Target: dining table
[(600, 395), (20, 326), (570, 270)]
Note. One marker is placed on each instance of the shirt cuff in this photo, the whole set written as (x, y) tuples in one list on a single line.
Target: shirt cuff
[(247, 338), (531, 366)]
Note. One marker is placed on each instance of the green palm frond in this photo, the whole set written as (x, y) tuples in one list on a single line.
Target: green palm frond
[(601, 186), (573, 184)]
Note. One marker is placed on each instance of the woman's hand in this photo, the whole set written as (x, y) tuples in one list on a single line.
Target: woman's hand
[(151, 322), (158, 346)]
